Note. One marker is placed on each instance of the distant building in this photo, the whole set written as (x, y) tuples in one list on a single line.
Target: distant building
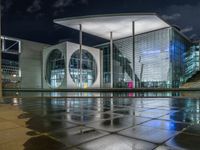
[(21, 63), (192, 60)]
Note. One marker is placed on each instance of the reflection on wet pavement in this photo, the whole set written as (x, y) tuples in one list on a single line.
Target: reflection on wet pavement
[(186, 141), (77, 135), (99, 123), (168, 125), (151, 134), (117, 124), (117, 142)]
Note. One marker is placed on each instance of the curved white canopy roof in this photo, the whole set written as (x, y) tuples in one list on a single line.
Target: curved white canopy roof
[(119, 24)]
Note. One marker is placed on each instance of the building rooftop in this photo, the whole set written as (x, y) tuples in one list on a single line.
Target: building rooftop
[(119, 24)]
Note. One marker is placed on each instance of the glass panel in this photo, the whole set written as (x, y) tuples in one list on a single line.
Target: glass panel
[(55, 68), (152, 58), (89, 68), (178, 48), (192, 61)]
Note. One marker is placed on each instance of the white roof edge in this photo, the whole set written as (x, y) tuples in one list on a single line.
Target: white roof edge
[(121, 30), (104, 15)]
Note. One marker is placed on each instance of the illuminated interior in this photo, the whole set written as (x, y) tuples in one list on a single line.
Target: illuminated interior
[(89, 69), (55, 68)]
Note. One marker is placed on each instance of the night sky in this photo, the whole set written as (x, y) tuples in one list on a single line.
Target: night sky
[(33, 19)]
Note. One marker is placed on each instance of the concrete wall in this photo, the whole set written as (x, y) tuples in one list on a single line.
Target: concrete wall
[(68, 49), (31, 64), (46, 53)]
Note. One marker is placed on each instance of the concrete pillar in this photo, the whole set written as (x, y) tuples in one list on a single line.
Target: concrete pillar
[(111, 59), (0, 58), (81, 43), (101, 70), (133, 64)]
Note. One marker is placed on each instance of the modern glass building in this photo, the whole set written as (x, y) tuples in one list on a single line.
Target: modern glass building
[(143, 51), (159, 59)]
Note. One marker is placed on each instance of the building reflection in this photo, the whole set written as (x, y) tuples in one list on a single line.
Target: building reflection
[(91, 109)]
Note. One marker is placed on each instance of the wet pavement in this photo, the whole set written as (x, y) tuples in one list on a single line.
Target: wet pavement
[(99, 124)]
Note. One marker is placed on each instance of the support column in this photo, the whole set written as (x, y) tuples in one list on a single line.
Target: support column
[(3, 44), (111, 59), (0, 59), (80, 42), (133, 64), (101, 70)]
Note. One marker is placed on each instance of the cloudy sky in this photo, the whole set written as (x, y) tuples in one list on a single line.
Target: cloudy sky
[(33, 19)]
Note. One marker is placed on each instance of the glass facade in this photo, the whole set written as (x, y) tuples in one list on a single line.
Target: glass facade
[(178, 47), (159, 59), (123, 63), (192, 61), (89, 69), (152, 58), (11, 50), (55, 68), (106, 64)]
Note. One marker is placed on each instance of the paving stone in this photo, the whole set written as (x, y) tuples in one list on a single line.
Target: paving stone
[(168, 125), (117, 142), (185, 141), (77, 135), (117, 124), (148, 134), (8, 125)]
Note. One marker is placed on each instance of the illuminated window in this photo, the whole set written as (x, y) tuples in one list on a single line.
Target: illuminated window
[(55, 68), (89, 68)]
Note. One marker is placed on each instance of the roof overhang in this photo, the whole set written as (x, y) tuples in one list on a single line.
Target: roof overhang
[(119, 24)]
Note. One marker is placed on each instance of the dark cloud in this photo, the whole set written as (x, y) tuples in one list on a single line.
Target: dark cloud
[(171, 17), (19, 17), (65, 3), (62, 3), (185, 16), (194, 36), (5, 6), (84, 1), (187, 29), (35, 7)]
